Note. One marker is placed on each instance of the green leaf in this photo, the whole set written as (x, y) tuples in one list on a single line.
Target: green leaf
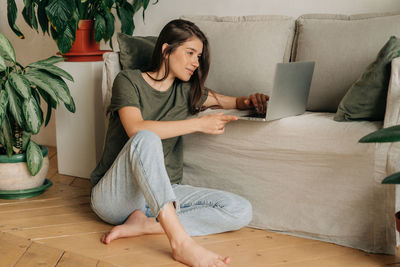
[(20, 84), (99, 28), (40, 79), (65, 39), (71, 107), (54, 83), (108, 3), (36, 95), (3, 105), (390, 134), (48, 114), (6, 47), (14, 105), (145, 5), (42, 17), (110, 21), (50, 60), (33, 115), (59, 13), (3, 64), (7, 136), (137, 5), (29, 14), (26, 137), (392, 179), (125, 14), (12, 17), (53, 70), (34, 158), (46, 97)]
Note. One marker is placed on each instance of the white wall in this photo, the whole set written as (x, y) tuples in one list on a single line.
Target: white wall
[(158, 15), (36, 46)]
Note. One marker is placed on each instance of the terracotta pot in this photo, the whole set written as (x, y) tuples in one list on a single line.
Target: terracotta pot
[(14, 174), (84, 38), (85, 47)]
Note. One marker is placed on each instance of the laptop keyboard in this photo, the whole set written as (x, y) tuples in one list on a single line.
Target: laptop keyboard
[(255, 115)]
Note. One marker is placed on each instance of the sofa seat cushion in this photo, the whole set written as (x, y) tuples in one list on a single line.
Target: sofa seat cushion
[(312, 132), (342, 47), (245, 50)]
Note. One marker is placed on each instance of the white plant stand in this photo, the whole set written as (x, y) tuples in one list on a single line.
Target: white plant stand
[(80, 135)]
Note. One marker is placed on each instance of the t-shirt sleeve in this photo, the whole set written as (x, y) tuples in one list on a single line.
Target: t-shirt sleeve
[(124, 93), (204, 96)]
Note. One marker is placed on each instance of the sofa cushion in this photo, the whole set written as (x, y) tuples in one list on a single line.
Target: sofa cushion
[(366, 99), (342, 47), (245, 50), (135, 51)]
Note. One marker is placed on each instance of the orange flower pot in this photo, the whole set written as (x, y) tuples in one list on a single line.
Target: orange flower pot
[(85, 48)]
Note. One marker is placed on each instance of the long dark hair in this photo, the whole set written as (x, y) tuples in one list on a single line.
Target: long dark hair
[(175, 33)]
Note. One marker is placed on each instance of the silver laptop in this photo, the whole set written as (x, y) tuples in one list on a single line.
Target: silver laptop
[(289, 95)]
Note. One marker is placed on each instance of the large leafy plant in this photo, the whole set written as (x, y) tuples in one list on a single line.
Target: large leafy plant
[(20, 112), (60, 17), (390, 134)]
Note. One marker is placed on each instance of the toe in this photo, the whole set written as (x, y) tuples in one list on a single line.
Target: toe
[(226, 260)]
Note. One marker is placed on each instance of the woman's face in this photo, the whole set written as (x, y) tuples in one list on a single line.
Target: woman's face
[(184, 60)]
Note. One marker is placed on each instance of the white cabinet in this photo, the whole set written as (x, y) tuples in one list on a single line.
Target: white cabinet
[(80, 135)]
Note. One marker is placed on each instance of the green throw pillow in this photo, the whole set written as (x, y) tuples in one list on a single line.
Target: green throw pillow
[(366, 98), (135, 51)]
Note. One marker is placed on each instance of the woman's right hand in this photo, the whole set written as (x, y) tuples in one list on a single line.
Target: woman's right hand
[(215, 123)]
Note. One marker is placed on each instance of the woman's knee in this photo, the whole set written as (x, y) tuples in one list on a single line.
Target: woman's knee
[(146, 138), (245, 213), (240, 210)]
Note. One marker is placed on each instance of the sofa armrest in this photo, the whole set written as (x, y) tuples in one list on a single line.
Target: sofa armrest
[(111, 68), (392, 116)]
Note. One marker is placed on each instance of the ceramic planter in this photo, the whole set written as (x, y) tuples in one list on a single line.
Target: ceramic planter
[(14, 174), (85, 48)]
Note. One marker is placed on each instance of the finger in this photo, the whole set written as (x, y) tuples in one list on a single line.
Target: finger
[(264, 99), (229, 118), (259, 103), (253, 99)]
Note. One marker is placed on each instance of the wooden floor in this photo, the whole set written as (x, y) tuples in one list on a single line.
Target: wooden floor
[(58, 228)]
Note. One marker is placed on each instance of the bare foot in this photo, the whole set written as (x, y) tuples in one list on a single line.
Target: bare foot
[(136, 224), (192, 254)]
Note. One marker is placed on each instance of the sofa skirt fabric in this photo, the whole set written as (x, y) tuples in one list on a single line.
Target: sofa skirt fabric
[(304, 175)]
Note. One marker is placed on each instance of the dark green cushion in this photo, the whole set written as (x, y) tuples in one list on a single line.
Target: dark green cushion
[(366, 98), (135, 51)]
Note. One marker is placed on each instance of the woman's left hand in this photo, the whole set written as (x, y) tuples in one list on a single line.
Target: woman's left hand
[(257, 101)]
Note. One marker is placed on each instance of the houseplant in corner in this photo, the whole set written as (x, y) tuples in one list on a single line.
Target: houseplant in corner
[(23, 163), (70, 22), (390, 134)]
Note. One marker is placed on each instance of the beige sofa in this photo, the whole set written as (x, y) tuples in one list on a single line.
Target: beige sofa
[(305, 175)]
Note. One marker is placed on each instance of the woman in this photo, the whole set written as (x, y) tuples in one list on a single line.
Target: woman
[(138, 178)]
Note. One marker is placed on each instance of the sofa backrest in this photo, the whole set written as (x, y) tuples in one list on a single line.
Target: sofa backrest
[(245, 50), (342, 47)]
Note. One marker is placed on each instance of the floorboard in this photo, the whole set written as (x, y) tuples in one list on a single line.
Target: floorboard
[(58, 228)]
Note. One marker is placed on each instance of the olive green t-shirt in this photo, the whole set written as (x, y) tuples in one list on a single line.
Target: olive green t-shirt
[(130, 89)]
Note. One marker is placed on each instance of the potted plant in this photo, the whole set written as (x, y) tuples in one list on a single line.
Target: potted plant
[(390, 134), (68, 21), (23, 162)]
